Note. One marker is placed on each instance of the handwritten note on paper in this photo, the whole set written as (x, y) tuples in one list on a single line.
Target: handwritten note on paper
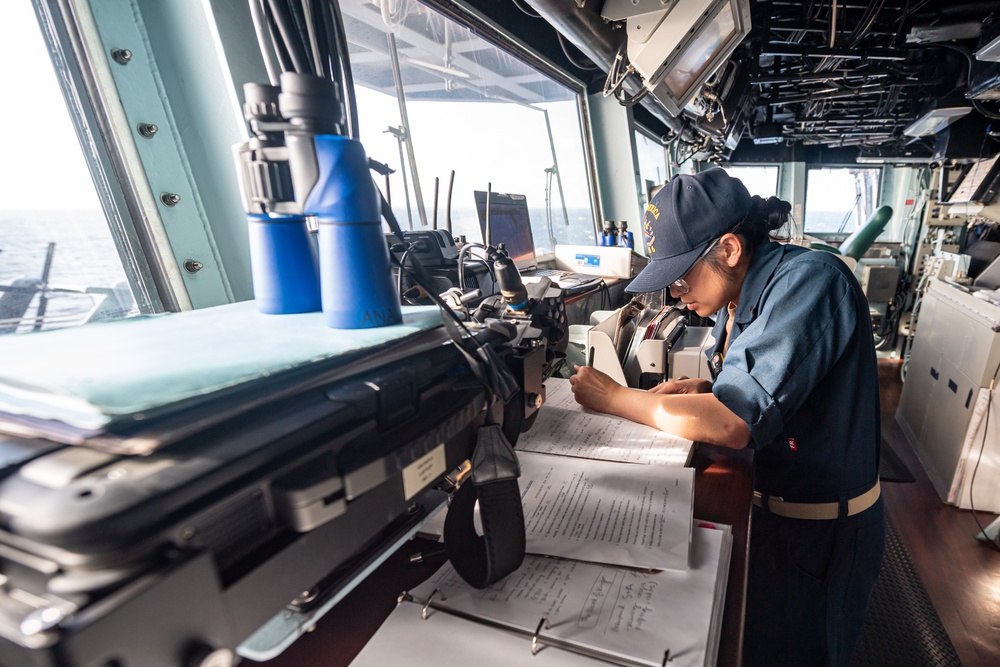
[(607, 512), (626, 613), (564, 427)]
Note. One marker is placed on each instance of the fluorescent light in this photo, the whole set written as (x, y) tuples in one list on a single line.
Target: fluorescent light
[(990, 52), (440, 69), (935, 120)]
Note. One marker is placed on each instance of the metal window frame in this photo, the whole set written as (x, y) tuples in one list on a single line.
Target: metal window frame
[(489, 31), (148, 279)]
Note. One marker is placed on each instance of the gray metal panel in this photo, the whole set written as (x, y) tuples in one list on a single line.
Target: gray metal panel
[(615, 155), (170, 158)]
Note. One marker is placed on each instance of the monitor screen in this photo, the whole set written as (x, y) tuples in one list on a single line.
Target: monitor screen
[(970, 186), (981, 255), (688, 46), (701, 52), (989, 278), (509, 224)]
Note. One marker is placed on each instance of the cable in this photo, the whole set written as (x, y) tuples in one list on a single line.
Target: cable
[(290, 37), (573, 61), (461, 262), (525, 10), (617, 72), (483, 361), (992, 115), (632, 100), (972, 480), (399, 273), (346, 79), (280, 51), (257, 14), (309, 23)]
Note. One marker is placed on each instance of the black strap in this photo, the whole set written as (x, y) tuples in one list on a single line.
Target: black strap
[(484, 559), (480, 560)]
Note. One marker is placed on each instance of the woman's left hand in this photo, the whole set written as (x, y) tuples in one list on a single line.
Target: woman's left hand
[(685, 386), (593, 389)]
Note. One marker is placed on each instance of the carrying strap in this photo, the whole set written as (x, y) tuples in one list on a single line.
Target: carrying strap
[(485, 559), (480, 560)]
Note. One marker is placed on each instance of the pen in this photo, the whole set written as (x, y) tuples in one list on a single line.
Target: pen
[(590, 357), (421, 556)]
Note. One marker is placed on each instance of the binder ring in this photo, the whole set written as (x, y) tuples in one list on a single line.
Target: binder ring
[(427, 605), (534, 638)]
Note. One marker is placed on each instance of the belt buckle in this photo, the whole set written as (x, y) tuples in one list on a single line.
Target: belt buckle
[(765, 500)]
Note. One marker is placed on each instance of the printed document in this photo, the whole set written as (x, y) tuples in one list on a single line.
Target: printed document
[(564, 427), (622, 615), (607, 512)]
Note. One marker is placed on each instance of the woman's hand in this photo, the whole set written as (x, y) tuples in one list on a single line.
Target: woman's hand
[(593, 389), (685, 386)]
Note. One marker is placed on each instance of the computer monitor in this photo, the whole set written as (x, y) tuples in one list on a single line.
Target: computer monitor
[(978, 184), (510, 225), (981, 254), (990, 277), (675, 48)]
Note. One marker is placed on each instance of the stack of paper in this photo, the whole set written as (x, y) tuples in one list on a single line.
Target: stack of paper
[(564, 427), (607, 512), (593, 615), (616, 572)]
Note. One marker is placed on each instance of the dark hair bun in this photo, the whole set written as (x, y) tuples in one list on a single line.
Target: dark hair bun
[(776, 213), (765, 216)]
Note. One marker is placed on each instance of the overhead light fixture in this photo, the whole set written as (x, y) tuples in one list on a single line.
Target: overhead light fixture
[(990, 52), (439, 69), (935, 120), (768, 133), (901, 157)]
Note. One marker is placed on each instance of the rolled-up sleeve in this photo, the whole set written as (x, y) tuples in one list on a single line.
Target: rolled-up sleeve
[(806, 318)]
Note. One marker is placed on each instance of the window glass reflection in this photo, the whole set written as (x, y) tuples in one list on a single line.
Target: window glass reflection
[(59, 265), (472, 109), (839, 200)]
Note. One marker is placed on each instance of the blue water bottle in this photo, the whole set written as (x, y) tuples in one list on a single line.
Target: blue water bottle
[(283, 264), (355, 274)]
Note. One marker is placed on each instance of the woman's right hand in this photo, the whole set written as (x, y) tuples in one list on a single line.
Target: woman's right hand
[(685, 386)]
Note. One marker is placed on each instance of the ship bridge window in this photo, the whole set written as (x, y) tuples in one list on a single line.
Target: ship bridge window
[(760, 180), (840, 200), (652, 157), (435, 98), (61, 264)]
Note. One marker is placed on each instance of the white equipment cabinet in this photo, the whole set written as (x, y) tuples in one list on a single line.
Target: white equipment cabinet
[(955, 352)]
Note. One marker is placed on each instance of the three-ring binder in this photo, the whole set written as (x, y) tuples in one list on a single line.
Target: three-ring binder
[(538, 640)]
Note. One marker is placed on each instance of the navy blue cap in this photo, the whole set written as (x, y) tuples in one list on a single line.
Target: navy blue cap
[(683, 218)]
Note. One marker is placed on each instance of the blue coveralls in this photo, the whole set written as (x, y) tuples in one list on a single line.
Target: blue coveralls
[(801, 371)]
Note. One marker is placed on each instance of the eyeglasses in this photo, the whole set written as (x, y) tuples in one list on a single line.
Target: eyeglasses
[(680, 286)]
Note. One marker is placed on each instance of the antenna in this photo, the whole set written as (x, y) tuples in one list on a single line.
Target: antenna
[(488, 235), (434, 214), (447, 212)]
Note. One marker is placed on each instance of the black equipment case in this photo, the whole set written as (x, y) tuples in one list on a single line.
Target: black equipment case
[(259, 494)]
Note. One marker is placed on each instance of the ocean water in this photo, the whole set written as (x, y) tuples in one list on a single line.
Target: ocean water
[(84, 257), (829, 222)]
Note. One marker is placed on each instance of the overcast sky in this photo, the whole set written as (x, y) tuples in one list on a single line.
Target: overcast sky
[(43, 163), (500, 143)]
